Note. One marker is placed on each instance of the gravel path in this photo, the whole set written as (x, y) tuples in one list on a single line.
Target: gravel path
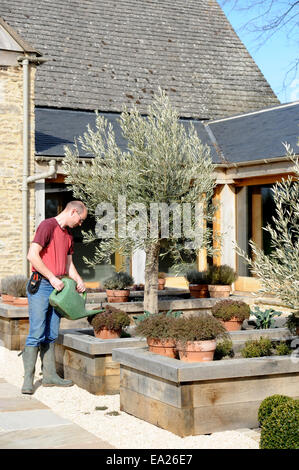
[(120, 429)]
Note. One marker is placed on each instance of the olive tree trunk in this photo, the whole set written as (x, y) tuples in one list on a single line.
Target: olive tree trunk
[(151, 278)]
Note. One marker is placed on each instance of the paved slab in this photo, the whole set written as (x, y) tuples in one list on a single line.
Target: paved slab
[(26, 423)]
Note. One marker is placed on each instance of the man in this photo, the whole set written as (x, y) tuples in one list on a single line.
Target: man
[(50, 254)]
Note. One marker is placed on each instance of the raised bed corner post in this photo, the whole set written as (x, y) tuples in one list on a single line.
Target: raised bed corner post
[(151, 278)]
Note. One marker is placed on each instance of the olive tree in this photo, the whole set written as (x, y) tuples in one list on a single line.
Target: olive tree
[(154, 195), (279, 271)]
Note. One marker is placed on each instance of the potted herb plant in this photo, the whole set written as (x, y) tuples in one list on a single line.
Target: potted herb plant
[(220, 279), (196, 337), (6, 299), (158, 331), (293, 323), (109, 323), (231, 313), (117, 287), (161, 280), (198, 283), (13, 290)]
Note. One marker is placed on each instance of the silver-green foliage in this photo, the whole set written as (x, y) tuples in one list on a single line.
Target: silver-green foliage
[(163, 162), (279, 271)]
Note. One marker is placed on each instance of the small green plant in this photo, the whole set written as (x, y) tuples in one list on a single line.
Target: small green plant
[(118, 281), (264, 319), (257, 348), (111, 318), (198, 328), (293, 322), (221, 275), (228, 309), (280, 429), (14, 285), (224, 348), (282, 349), (101, 408), (112, 413), (159, 326), (269, 404), (197, 277), (146, 314)]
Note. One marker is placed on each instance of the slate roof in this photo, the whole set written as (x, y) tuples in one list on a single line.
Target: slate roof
[(258, 135), (104, 54), (56, 128), (241, 138)]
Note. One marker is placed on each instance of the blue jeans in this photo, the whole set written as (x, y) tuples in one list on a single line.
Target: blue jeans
[(44, 321)]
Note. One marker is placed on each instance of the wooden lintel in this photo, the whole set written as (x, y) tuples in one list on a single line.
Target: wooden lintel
[(59, 179), (260, 180)]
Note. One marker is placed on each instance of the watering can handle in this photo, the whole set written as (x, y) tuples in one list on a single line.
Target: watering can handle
[(84, 294)]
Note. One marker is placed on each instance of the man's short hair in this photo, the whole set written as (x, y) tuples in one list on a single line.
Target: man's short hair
[(78, 205)]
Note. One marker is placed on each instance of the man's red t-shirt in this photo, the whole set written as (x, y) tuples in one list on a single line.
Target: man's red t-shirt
[(57, 244)]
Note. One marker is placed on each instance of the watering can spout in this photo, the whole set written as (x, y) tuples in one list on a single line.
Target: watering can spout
[(70, 303)]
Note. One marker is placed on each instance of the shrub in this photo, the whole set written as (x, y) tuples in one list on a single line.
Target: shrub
[(221, 275), (14, 285), (280, 429), (227, 309), (159, 326), (265, 318), (111, 318), (4, 285), (269, 404), (197, 277), (118, 281), (257, 348), (293, 322), (224, 348), (282, 349), (198, 328)]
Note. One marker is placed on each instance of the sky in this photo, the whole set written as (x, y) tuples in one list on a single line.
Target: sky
[(274, 57)]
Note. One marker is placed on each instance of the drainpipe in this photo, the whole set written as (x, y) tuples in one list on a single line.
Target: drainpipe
[(26, 153), (26, 91)]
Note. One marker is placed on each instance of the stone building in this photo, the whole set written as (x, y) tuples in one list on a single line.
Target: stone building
[(60, 61)]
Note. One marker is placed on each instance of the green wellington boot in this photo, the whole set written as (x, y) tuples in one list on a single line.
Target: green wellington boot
[(29, 356), (50, 376)]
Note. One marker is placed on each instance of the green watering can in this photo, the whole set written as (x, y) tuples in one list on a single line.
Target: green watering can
[(70, 303)]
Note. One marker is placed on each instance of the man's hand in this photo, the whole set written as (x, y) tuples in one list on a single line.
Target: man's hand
[(80, 286), (56, 283)]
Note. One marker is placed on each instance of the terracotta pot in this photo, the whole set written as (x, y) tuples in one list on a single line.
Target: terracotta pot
[(164, 347), (199, 291), (7, 299), (219, 291), (197, 351), (233, 324), (104, 333), (117, 295), (20, 301), (161, 284)]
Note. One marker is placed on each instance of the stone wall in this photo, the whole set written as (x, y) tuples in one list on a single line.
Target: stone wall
[(11, 167)]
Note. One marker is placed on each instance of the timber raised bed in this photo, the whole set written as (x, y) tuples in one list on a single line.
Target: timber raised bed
[(201, 398), (14, 321), (87, 360)]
